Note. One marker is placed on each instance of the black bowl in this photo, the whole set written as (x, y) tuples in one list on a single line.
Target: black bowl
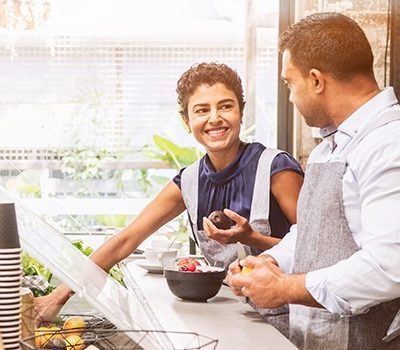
[(194, 286)]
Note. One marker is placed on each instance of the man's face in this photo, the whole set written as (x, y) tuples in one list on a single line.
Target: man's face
[(302, 93)]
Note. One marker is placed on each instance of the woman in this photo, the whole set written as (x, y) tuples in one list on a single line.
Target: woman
[(210, 97)]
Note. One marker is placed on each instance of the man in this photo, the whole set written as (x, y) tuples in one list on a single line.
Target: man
[(339, 267)]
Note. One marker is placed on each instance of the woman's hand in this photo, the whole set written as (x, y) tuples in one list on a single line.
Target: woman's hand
[(240, 232), (48, 307)]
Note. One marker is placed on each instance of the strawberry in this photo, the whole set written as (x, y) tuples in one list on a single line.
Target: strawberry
[(191, 268)]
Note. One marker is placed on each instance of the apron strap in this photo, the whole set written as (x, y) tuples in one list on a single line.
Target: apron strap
[(190, 194), (260, 205)]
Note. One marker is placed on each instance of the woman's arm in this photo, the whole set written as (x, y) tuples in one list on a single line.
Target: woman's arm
[(285, 186), (164, 207)]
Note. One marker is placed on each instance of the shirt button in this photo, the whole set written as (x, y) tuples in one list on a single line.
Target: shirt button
[(356, 131)]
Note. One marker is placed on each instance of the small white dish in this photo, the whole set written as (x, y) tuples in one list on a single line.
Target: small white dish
[(152, 268)]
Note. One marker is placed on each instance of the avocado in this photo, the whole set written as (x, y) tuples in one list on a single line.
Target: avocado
[(220, 220)]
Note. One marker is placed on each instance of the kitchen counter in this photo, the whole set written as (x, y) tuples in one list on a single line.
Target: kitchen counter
[(224, 317)]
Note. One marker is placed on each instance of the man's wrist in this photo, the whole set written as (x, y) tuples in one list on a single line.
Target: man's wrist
[(269, 258), (294, 290)]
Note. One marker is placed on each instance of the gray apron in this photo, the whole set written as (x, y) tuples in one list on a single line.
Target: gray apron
[(324, 238), (222, 255)]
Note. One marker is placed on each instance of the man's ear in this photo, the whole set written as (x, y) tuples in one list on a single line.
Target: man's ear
[(318, 80)]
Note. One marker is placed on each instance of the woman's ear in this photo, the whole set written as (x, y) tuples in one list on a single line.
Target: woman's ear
[(318, 80)]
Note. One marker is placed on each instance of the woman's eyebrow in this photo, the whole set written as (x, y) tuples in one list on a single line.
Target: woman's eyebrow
[(226, 100), (200, 105)]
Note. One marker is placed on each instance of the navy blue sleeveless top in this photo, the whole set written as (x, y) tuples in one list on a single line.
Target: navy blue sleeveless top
[(233, 187)]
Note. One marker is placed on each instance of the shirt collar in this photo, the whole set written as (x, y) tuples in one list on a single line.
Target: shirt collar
[(368, 111), (327, 131), (356, 121)]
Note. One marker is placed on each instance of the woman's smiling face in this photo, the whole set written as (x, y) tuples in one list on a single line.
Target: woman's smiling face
[(214, 118)]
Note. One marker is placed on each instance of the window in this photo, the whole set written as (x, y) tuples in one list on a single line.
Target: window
[(101, 75)]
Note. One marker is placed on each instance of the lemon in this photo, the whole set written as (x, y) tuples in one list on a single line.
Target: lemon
[(74, 342), (75, 326), (246, 270), (44, 334)]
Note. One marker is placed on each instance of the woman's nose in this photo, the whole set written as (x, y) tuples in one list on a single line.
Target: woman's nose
[(214, 115)]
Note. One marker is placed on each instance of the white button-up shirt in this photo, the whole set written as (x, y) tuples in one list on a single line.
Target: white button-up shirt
[(371, 198)]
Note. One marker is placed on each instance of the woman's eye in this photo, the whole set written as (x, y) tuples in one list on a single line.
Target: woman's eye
[(226, 106), (201, 111)]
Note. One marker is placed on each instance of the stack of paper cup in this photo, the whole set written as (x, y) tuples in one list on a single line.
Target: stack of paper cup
[(10, 278)]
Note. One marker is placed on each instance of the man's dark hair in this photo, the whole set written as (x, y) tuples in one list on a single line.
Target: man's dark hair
[(330, 42), (209, 74)]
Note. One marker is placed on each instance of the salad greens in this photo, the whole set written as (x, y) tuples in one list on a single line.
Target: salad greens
[(31, 267)]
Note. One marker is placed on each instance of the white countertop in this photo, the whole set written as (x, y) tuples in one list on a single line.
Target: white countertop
[(224, 317)]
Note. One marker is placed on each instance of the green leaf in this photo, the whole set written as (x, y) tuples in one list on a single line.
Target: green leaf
[(178, 157)]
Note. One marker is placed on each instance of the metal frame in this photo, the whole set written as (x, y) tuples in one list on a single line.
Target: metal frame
[(285, 108)]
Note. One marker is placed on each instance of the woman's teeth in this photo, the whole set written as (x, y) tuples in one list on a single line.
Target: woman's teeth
[(216, 132)]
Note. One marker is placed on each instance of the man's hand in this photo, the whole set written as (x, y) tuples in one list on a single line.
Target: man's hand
[(264, 285), (267, 286), (234, 268), (240, 232)]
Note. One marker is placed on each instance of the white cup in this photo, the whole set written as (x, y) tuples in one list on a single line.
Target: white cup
[(165, 244), (160, 257)]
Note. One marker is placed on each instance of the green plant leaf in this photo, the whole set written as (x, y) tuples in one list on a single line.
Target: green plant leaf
[(178, 157)]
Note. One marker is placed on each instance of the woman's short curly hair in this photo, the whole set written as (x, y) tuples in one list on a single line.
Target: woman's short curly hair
[(209, 74)]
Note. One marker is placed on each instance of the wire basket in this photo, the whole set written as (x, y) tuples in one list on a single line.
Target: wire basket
[(103, 335)]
